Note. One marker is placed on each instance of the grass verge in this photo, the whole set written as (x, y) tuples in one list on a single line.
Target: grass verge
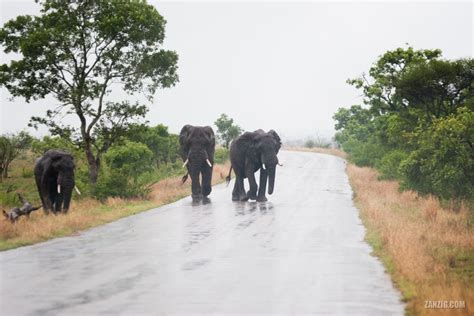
[(88, 212), (427, 249)]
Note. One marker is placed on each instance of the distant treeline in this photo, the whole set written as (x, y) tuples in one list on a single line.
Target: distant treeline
[(417, 122)]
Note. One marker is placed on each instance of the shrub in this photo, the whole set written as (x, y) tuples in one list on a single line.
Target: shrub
[(364, 154), (126, 173), (309, 143), (389, 164), (221, 155), (443, 163)]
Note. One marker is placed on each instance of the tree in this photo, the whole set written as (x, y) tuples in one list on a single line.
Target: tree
[(164, 145), (379, 88), (437, 87), (226, 129), (11, 146), (75, 51), (443, 162), (128, 163)]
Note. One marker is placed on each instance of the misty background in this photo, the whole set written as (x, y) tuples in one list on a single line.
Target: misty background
[(272, 65)]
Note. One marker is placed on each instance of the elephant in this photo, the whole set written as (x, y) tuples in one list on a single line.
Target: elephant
[(250, 152), (54, 174), (197, 144)]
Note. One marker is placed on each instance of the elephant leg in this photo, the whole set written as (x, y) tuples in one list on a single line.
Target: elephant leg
[(45, 197), (262, 186), (195, 186), (238, 194), (252, 193), (206, 181)]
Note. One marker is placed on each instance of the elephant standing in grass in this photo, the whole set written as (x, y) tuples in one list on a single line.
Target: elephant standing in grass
[(197, 151), (54, 174), (248, 153)]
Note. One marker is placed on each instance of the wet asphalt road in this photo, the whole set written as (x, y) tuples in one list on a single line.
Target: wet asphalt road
[(300, 253)]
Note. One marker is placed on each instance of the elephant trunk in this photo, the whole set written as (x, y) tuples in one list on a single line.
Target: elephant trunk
[(271, 179), (67, 198), (65, 186)]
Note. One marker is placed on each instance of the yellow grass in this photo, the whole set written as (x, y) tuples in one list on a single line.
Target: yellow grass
[(428, 250), (88, 213)]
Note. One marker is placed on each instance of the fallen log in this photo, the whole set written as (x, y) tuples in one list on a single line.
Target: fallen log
[(14, 214)]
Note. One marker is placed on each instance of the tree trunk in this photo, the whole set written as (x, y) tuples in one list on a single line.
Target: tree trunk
[(93, 163)]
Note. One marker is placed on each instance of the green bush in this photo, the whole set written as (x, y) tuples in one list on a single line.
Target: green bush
[(389, 164), (221, 155), (443, 163), (40, 146), (362, 153), (126, 172)]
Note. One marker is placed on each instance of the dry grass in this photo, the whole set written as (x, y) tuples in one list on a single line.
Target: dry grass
[(428, 250), (88, 213), (329, 151)]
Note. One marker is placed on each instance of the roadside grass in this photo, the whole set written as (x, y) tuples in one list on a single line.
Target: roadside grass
[(85, 212), (426, 247)]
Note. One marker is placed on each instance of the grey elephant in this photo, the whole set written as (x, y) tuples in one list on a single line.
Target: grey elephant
[(197, 145), (54, 175), (248, 153)]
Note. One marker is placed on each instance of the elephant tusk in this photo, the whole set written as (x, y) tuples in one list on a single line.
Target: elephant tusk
[(59, 188), (209, 163), (185, 163), (77, 190), (280, 164), (264, 167)]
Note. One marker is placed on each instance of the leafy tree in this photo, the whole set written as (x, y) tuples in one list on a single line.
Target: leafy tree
[(443, 162), (75, 51), (40, 146), (127, 164), (11, 146), (355, 122), (379, 88), (164, 145), (438, 87), (226, 129), (417, 124)]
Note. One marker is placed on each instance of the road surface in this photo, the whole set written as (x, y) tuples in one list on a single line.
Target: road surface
[(300, 253)]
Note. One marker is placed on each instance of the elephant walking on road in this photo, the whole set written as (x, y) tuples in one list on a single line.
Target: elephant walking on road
[(54, 174), (248, 153), (197, 150)]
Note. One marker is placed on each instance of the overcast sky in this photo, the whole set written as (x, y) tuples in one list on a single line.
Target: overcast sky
[(280, 65)]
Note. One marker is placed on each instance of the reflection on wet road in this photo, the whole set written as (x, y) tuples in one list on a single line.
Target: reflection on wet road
[(301, 252)]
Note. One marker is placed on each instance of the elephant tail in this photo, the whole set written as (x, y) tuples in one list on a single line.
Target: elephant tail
[(184, 178), (227, 179)]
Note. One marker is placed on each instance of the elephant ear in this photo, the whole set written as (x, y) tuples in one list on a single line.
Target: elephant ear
[(184, 140), (277, 138), (210, 133), (184, 135)]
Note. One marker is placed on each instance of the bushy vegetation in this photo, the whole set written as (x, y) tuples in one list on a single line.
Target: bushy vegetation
[(142, 156), (227, 130), (417, 122), (221, 155), (11, 146)]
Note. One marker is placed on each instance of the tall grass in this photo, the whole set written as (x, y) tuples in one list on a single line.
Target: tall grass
[(428, 249)]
